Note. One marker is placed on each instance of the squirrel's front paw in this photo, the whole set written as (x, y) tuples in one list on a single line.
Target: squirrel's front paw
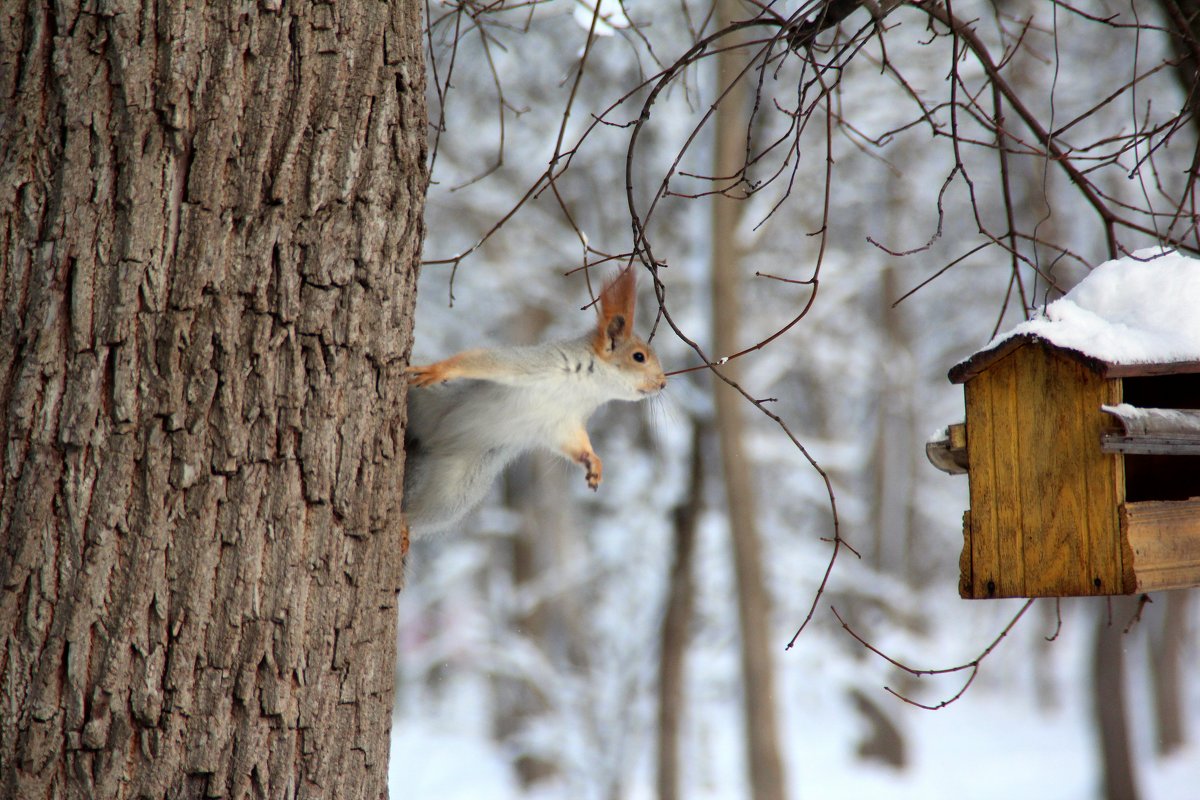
[(427, 374), (591, 462)]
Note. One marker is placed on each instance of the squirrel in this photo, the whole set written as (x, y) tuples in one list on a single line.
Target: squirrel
[(500, 403)]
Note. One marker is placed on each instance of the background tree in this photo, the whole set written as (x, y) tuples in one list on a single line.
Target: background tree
[(211, 220), (730, 145), (1119, 777), (677, 620)]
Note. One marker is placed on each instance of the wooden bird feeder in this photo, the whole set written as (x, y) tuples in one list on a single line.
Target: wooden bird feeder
[(1084, 472)]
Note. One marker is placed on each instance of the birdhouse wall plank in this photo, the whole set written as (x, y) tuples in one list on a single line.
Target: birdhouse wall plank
[(1111, 570), (965, 573), (1044, 498), (1111, 559), (1009, 471), (1164, 538), (1053, 494), (983, 539), (997, 556)]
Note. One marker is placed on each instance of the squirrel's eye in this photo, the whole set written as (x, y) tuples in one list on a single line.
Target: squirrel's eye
[(639, 356)]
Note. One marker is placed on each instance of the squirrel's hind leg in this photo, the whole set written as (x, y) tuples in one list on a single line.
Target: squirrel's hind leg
[(578, 447)]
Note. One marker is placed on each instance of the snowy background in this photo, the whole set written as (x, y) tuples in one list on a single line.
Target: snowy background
[(529, 641)]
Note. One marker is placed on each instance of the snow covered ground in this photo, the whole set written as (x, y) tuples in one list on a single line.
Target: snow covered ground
[(983, 747), (993, 743)]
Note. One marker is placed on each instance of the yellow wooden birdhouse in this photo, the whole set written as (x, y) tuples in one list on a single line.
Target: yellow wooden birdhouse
[(1082, 440)]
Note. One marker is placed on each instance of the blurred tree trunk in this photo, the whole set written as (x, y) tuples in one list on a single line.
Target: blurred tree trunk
[(893, 464), (676, 620), (1167, 658), (534, 487), (885, 488), (1167, 651), (1109, 700), (517, 701), (1183, 20), (754, 607), (210, 233)]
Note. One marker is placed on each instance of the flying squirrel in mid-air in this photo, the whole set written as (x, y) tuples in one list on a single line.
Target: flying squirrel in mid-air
[(470, 415)]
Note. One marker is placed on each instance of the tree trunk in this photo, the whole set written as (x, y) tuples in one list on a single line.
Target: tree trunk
[(1110, 702), (1183, 21), (896, 441), (676, 620), (210, 233), (1167, 657), (754, 607), (1167, 644), (535, 486)]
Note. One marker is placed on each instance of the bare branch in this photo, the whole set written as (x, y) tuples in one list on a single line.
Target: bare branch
[(971, 667)]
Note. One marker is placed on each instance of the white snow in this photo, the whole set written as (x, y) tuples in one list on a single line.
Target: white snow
[(997, 742), (442, 770), (1143, 420), (1143, 308), (941, 434), (1124, 411)]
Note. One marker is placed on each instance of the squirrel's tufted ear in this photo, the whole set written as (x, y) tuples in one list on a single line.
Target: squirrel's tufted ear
[(616, 309), (616, 332)]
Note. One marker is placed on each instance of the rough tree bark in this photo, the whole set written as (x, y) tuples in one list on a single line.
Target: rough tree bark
[(764, 762), (210, 225)]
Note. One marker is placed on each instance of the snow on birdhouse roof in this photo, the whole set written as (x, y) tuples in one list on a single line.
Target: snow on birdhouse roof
[(1127, 316)]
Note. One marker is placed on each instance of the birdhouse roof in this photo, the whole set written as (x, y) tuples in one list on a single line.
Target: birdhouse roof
[(1138, 315)]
